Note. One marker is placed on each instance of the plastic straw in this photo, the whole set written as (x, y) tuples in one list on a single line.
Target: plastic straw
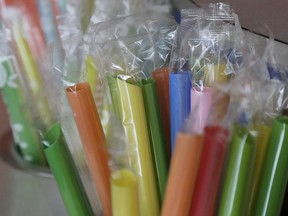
[(64, 171), (21, 121), (124, 190), (93, 139), (182, 175), (31, 71), (201, 100), (131, 113), (262, 133), (161, 76), (158, 147), (180, 87), (275, 175), (237, 177), (210, 169)]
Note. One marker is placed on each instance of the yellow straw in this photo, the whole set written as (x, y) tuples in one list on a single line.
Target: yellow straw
[(31, 70), (214, 73), (124, 193)]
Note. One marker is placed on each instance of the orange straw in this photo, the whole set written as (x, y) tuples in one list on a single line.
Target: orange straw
[(182, 176), (93, 139), (161, 76)]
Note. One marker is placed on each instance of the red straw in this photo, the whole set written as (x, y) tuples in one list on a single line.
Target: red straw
[(209, 174)]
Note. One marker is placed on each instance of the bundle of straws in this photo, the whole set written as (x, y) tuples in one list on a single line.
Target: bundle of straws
[(139, 115)]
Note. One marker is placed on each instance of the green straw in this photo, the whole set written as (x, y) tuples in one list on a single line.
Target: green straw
[(238, 172), (275, 170), (157, 140), (24, 133), (64, 171)]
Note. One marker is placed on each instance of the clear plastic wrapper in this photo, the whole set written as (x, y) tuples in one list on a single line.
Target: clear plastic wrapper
[(257, 100), (63, 75), (161, 29), (30, 19), (269, 98), (14, 93), (30, 59), (131, 62), (158, 32), (161, 32), (142, 52), (207, 51), (216, 137), (107, 10), (81, 10)]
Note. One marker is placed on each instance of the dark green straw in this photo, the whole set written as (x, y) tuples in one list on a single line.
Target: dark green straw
[(156, 134)]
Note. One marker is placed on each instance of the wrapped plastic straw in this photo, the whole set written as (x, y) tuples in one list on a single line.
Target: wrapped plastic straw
[(236, 180), (274, 177), (207, 185), (94, 143), (183, 173), (156, 134), (21, 120), (267, 98), (248, 99), (31, 70), (132, 58), (205, 45), (58, 80), (161, 77), (201, 99), (124, 181), (64, 171), (128, 99)]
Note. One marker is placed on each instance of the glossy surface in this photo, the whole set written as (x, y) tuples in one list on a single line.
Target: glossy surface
[(237, 175), (65, 173), (261, 133), (207, 184), (156, 133), (93, 139), (182, 175), (161, 77), (274, 177), (180, 87), (128, 99)]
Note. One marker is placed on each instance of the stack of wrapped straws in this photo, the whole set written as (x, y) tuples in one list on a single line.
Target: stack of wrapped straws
[(139, 115)]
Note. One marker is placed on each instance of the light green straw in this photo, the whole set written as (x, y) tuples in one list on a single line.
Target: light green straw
[(24, 133)]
